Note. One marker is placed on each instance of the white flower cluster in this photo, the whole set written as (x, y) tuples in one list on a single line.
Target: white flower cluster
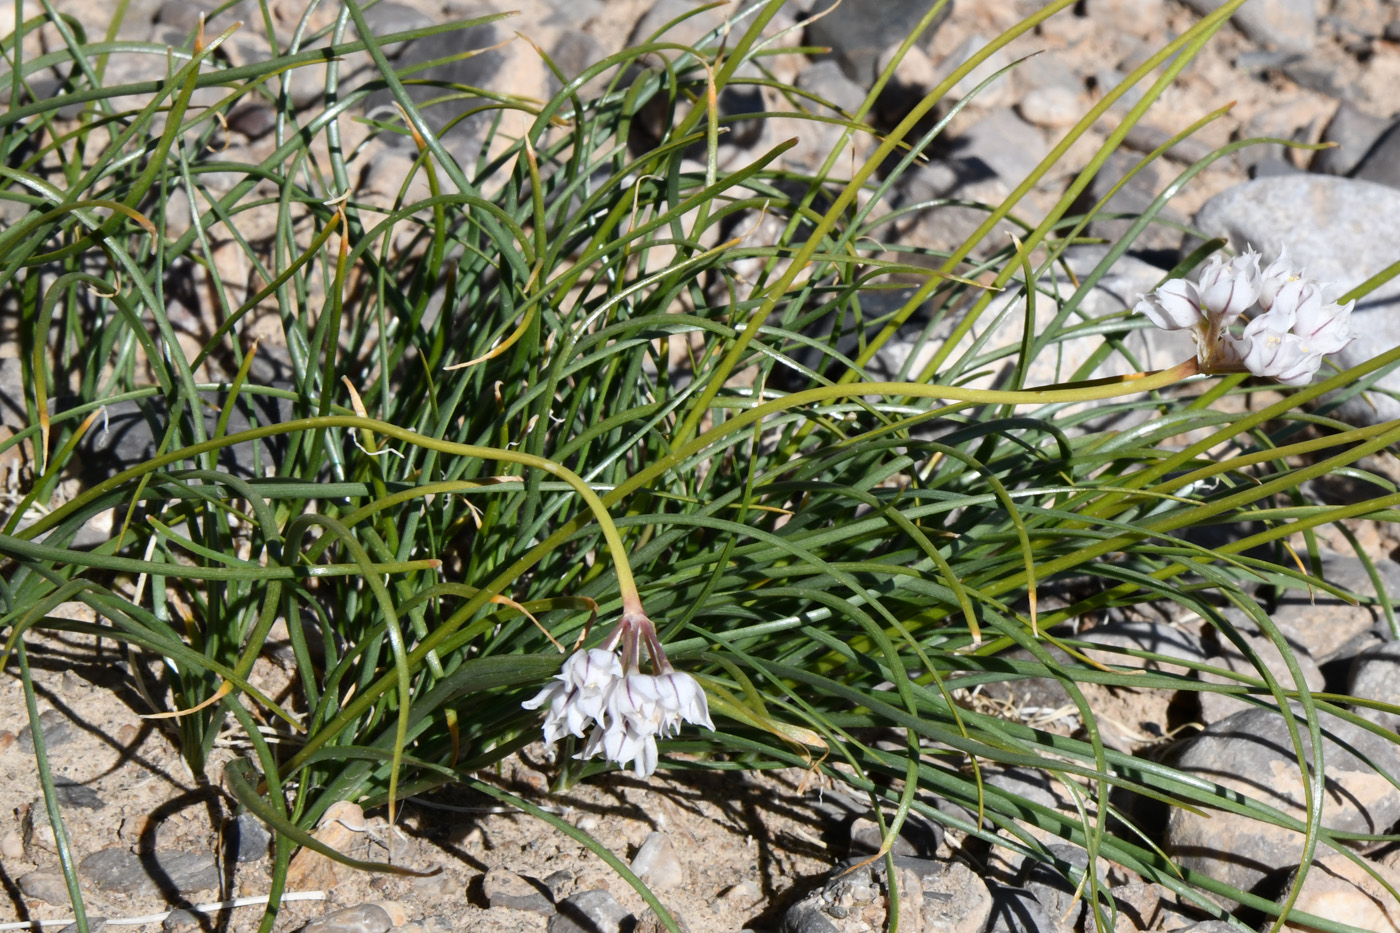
[(625, 710), (1293, 322)]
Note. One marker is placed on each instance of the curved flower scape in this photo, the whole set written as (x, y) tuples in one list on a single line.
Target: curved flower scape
[(625, 709), (1293, 325)]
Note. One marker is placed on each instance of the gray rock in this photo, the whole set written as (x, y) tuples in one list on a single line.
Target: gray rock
[(932, 895), (127, 436), (690, 31), (918, 837), (1006, 144), (56, 728), (827, 81), (1323, 623), (389, 16), (72, 794), (857, 38), (806, 917), (1375, 675), (1381, 164), (1146, 138), (1151, 906), (1133, 199), (1052, 889), (1139, 18), (1224, 653), (47, 886), (504, 888), (363, 918), (1156, 637), (13, 413), (573, 53), (254, 119), (180, 920), (162, 872), (590, 912), (996, 90), (656, 863), (246, 839), (1285, 25), (1054, 106), (955, 899), (479, 70), (1016, 910), (1354, 131), (1251, 753), (1337, 230), (1322, 77)]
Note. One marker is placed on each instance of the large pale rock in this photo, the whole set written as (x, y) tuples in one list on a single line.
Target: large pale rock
[(1286, 25), (856, 38)]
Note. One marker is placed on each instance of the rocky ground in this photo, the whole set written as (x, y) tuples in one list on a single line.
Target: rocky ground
[(734, 850)]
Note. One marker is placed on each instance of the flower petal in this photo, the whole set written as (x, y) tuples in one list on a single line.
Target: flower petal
[(1175, 305)]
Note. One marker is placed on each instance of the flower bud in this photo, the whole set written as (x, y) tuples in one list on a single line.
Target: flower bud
[(1227, 289), (1275, 275), (1174, 306)]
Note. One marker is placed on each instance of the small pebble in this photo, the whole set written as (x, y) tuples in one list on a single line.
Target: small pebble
[(127, 735), (594, 911), (57, 730), (94, 925), (439, 887), (556, 881), (246, 839), (742, 895), (11, 846), (179, 920), (7, 738), (46, 886), (117, 869), (657, 864), (364, 918), (504, 888), (1054, 106), (397, 915), (72, 794)]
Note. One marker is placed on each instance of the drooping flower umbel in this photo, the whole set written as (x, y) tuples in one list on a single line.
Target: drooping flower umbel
[(1292, 323), (619, 709)]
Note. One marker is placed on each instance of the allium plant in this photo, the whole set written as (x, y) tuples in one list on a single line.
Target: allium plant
[(828, 567), (1292, 323)]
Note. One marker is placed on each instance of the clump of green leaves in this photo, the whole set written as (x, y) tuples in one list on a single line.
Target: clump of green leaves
[(570, 364)]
